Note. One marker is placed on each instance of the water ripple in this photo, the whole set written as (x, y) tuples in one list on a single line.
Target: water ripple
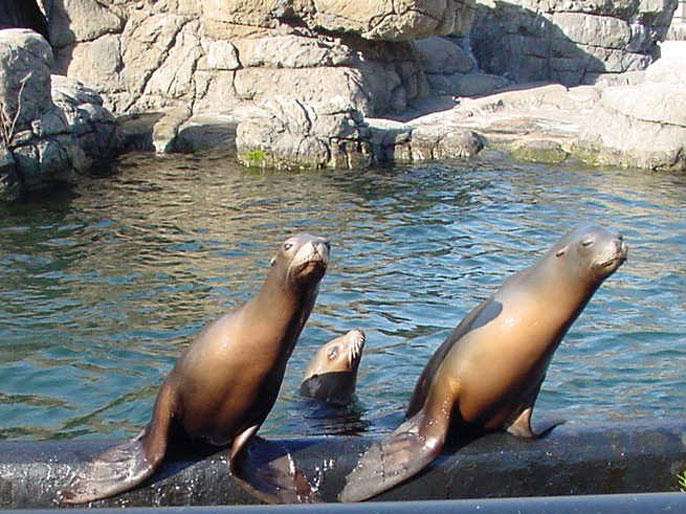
[(102, 289)]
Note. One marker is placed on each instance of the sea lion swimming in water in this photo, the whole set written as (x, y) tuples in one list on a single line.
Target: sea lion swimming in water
[(331, 375), (487, 373), (226, 382)]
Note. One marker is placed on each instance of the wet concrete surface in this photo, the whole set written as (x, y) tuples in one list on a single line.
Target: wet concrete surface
[(572, 460)]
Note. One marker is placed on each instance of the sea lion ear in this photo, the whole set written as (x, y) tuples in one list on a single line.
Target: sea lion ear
[(561, 251)]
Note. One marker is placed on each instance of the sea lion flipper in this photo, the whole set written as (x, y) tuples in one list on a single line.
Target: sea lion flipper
[(522, 427), (267, 471), (110, 473), (410, 448), (128, 464)]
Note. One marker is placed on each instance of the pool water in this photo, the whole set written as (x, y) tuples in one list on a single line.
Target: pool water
[(103, 286)]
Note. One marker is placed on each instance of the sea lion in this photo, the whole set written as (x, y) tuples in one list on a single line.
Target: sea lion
[(487, 373), (226, 382), (332, 373)]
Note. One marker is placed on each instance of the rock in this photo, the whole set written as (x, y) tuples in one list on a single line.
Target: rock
[(642, 126), (374, 20), (10, 188), (441, 55), (23, 14), (292, 52), (97, 62), (207, 133), (569, 42), (430, 143), (25, 59), (74, 21), (219, 55), (59, 127), (285, 133), (165, 130), (545, 151), (472, 84)]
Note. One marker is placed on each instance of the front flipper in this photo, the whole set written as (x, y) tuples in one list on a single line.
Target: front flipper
[(521, 427), (266, 470), (408, 450), (126, 465)]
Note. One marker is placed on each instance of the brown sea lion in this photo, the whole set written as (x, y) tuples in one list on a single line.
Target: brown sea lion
[(226, 382), (486, 375), (332, 373)]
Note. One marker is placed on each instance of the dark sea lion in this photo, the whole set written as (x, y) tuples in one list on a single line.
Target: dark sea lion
[(332, 373), (226, 382), (486, 375)]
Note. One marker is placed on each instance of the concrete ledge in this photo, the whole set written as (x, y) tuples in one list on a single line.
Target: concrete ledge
[(572, 460)]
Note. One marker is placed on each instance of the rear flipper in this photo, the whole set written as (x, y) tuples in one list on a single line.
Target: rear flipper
[(125, 466), (267, 471), (408, 450), (118, 469)]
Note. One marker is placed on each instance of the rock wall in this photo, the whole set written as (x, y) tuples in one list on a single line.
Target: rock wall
[(197, 57), (571, 42)]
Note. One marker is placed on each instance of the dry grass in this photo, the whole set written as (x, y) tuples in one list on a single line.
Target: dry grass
[(8, 123)]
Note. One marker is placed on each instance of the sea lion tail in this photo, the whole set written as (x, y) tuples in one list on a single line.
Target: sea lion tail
[(116, 470), (410, 448)]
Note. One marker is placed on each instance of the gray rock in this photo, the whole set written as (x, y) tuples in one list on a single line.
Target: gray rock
[(285, 133), (73, 21), (292, 52), (571, 42), (207, 133), (61, 126), (442, 56), (25, 59)]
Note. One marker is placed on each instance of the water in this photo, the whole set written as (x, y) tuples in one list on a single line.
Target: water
[(102, 288)]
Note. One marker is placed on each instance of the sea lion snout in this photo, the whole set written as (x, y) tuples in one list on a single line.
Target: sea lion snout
[(307, 257), (611, 251)]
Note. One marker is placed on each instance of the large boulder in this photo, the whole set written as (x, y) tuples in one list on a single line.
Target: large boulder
[(25, 60), (286, 133), (383, 20), (52, 127), (639, 126)]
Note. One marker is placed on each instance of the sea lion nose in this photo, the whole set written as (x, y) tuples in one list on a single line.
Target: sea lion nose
[(323, 242)]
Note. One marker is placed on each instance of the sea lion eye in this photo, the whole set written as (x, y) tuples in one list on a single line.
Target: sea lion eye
[(333, 353), (561, 252), (287, 246), (587, 242), (273, 261)]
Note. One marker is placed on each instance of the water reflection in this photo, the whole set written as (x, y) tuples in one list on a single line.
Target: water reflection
[(100, 290)]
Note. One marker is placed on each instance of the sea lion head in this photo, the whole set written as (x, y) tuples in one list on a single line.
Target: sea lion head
[(303, 259), (591, 252), (332, 373), (341, 354)]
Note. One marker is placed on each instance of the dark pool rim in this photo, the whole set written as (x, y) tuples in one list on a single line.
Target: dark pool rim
[(674, 503), (606, 467)]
